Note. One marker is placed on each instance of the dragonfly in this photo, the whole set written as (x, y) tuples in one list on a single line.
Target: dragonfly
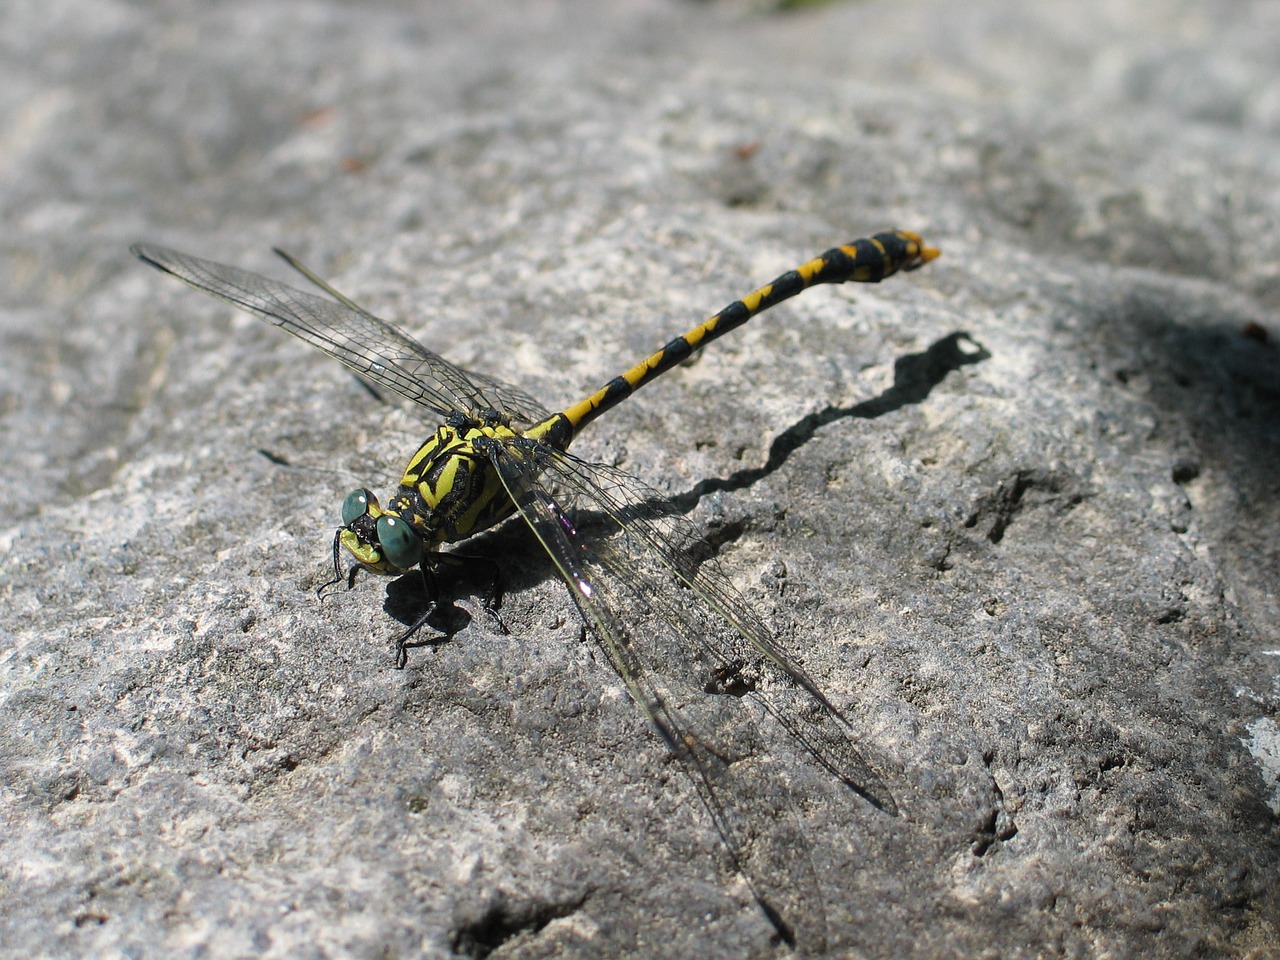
[(689, 649)]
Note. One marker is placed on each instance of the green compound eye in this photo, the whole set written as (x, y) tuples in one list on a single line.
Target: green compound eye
[(400, 544), (356, 506)]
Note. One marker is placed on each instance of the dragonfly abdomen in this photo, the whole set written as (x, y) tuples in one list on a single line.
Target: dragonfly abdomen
[(862, 261)]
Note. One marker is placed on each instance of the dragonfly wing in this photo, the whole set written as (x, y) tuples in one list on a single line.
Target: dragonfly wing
[(657, 653), (369, 346), (654, 526), (523, 409)]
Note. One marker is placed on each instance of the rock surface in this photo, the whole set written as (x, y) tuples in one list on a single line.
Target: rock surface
[(1017, 512)]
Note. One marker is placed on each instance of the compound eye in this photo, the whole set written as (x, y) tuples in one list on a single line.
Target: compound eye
[(357, 505), (400, 544)]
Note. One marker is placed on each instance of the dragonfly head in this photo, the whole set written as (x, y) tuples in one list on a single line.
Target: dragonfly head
[(383, 542)]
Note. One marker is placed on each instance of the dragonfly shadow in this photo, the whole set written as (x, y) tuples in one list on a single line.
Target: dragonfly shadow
[(914, 377)]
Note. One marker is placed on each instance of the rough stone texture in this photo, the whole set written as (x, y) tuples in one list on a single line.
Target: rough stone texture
[(1040, 576)]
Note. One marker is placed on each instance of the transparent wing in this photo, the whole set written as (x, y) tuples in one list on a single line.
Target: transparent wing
[(637, 520), (681, 663), (518, 405), (369, 346), (522, 409)]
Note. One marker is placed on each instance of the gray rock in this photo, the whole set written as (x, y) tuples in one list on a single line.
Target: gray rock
[(1017, 512)]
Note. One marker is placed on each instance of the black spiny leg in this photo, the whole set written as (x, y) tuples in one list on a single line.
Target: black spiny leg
[(491, 599), (337, 568), (432, 588)]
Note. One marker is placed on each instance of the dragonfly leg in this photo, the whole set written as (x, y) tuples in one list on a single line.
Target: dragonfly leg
[(491, 597), (350, 577), (337, 568), (403, 642)]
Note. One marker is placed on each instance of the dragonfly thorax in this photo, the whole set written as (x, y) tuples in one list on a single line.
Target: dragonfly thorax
[(450, 490)]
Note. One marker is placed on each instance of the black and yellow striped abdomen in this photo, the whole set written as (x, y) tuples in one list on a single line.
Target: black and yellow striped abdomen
[(862, 261)]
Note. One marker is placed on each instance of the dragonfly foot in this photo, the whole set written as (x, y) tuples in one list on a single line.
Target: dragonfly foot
[(406, 640)]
